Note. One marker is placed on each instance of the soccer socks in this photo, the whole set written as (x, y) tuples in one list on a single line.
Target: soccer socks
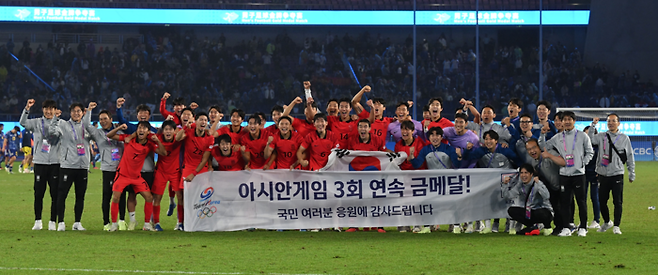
[(114, 211), (132, 215), (148, 211), (156, 214), (181, 216)]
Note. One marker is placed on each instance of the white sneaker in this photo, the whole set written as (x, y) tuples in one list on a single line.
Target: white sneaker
[(61, 226), (416, 229), (457, 229), (131, 225), (78, 226), (582, 232), (52, 226), (606, 226), (38, 225), (148, 227), (114, 227), (177, 226), (616, 230), (469, 228), (594, 225), (566, 232)]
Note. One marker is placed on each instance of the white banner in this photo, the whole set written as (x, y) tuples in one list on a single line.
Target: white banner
[(282, 199)]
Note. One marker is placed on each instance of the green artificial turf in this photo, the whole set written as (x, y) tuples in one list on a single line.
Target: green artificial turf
[(23, 251)]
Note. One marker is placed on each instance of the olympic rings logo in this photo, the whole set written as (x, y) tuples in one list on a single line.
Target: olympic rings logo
[(206, 212)]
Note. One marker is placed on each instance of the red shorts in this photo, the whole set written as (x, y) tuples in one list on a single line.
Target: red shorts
[(138, 184), (161, 179)]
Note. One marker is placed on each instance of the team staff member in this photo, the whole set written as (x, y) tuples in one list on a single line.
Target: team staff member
[(615, 149), (74, 160), (576, 149), (46, 160), (138, 148), (536, 213), (198, 145), (110, 152)]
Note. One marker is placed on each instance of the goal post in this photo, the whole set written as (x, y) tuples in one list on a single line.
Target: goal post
[(640, 124)]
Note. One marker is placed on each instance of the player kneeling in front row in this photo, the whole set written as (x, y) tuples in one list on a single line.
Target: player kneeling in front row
[(135, 150), (531, 202)]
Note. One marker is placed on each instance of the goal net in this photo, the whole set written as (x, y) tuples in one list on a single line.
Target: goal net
[(640, 124)]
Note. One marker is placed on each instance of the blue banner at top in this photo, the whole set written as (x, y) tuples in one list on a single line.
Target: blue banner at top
[(287, 17)]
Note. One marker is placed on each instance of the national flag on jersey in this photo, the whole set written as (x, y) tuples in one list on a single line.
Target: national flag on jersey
[(347, 160)]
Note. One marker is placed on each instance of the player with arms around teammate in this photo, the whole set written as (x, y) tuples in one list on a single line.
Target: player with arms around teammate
[(286, 143), (110, 152), (167, 169), (46, 160), (317, 145), (135, 152), (255, 142), (228, 155)]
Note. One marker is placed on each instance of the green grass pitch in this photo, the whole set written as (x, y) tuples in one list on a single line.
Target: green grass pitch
[(23, 251)]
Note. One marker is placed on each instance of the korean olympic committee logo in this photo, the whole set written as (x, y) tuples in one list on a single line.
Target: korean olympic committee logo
[(206, 206), (442, 17), (230, 16), (22, 13)]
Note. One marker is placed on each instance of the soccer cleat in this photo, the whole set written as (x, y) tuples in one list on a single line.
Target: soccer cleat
[(494, 227), (20, 169), (52, 226), (469, 228), (381, 230), (582, 232), (456, 229), (425, 230), (616, 230), (78, 227), (534, 232), (402, 229), (436, 227), (38, 225), (352, 229), (315, 230), (148, 227), (566, 232), (416, 229), (547, 231), (170, 211), (114, 227), (487, 230), (512, 231), (594, 225), (131, 225), (61, 226), (605, 226), (158, 227), (366, 229), (181, 227), (479, 226), (107, 227), (122, 225), (337, 229), (177, 227)]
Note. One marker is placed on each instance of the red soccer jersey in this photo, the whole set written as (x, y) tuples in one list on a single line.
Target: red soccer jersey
[(134, 154), (286, 150), (195, 147), (374, 144), (442, 122), (169, 164), (343, 128), (379, 127), (256, 149), (236, 137), (271, 130), (233, 162), (318, 149), (165, 113), (418, 145), (303, 127)]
